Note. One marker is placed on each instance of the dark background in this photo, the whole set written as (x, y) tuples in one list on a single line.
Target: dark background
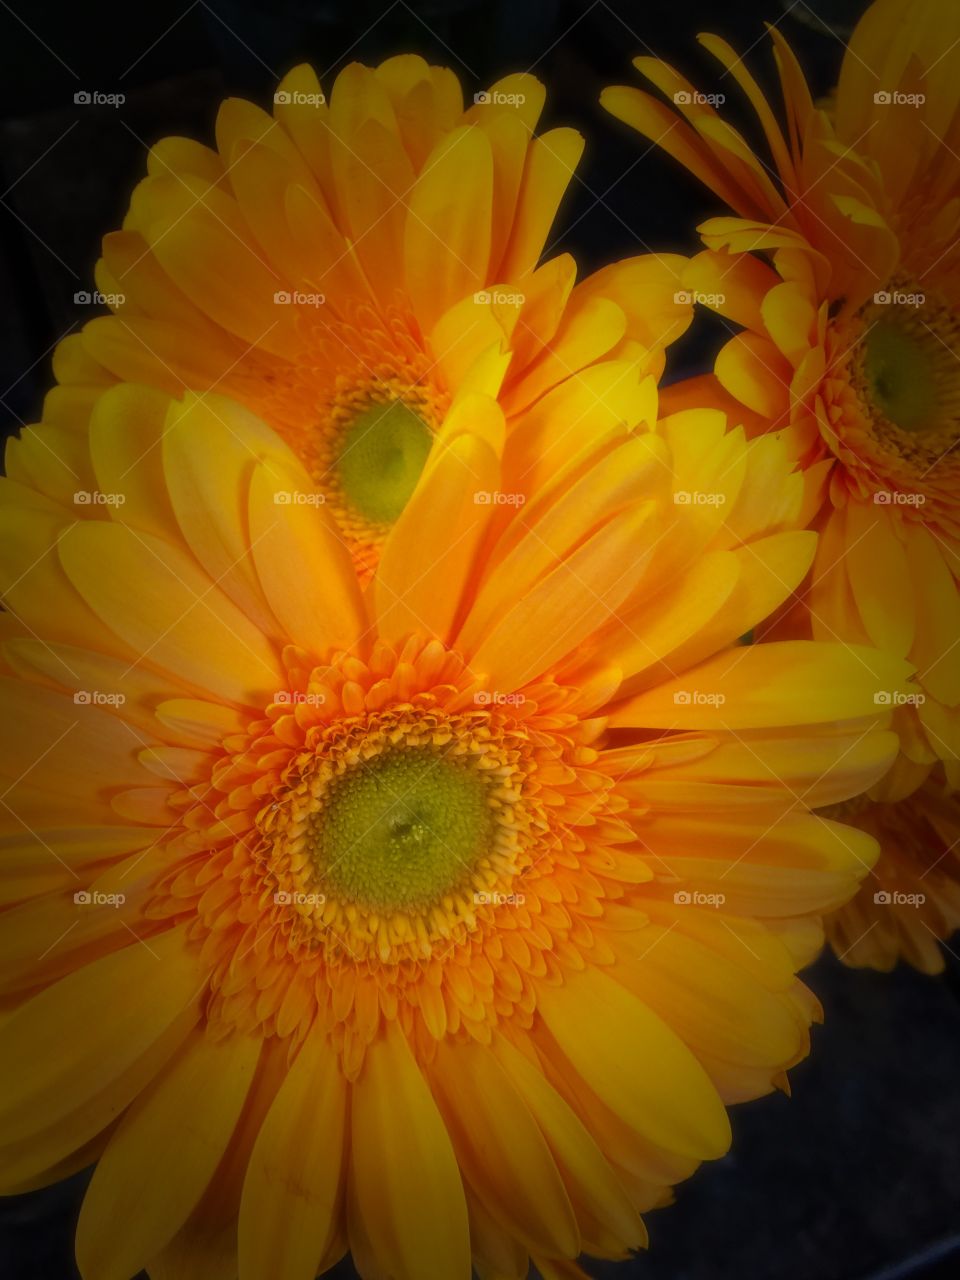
[(857, 1177)]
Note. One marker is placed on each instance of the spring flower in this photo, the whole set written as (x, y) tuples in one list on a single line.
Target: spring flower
[(345, 268), (840, 268), (436, 920), (912, 900)]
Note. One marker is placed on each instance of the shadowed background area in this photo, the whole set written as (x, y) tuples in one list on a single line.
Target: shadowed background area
[(855, 1177)]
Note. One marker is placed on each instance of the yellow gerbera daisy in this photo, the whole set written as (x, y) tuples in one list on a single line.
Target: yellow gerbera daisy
[(436, 921), (849, 332), (912, 900), (345, 268)]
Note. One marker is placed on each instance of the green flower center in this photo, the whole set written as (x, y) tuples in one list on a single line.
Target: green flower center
[(381, 456), (400, 830), (901, 373)]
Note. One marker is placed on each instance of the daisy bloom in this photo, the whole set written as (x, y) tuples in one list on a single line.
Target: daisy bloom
[(841, 270), (436, 920), (345, 268), (912, 900)]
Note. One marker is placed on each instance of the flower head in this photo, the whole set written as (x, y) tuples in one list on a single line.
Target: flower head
[(841, 271), (435, 920), (346, 267), (912, 900)]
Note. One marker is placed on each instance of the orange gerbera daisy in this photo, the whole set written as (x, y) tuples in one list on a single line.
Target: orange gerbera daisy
[(344, 269), (912, 900), (850, 323), (847, 346), (436, 921)]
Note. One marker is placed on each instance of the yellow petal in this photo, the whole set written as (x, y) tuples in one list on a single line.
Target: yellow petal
[(752, 369), (199, 236), (373, 174), (407, 1183), (658, 122), (881, 577), (83, 748), (154, 597), (199, 1251), (103, 683), (427, 101), (427, 559), (565, 606), (75, 1139), (710, 1000), (551, 162), (502, 1151), (291, 1193), (305, 570), (36, 862), (138, 992), (125, 433), (33, 585), (672, 616), (210, 449), (788, 682), (768, 571), (796, 864), (635, 1064), (592, 1183), (163, 353), (162, 1156), (197, 721), (591, 327), (553, 525), (601, 399), (53, 460), (447, 233), (183, 155), (72, 363), (791, 321), (646, 289), (147, 288), (936, 651)]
